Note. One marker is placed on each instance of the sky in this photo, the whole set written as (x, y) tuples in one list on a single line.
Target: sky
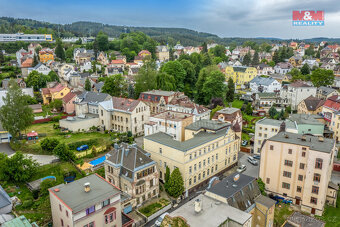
[(226, 18)]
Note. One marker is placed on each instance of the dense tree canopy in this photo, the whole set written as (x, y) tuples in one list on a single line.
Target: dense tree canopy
[(175, 69), (146, 78), (322, 77), (115, 86)]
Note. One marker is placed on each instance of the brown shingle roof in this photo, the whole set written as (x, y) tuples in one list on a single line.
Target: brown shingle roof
[(124, 104), (69, 97), (313, 103)]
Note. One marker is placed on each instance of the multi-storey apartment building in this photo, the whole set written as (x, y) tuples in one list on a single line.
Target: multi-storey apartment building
[(240, 74), (157, 99), (87, 202), (170, 122), (124, 115), (129, 168), (209, 149), (298, 167), (88, 102), (267, 128), (292, 94)]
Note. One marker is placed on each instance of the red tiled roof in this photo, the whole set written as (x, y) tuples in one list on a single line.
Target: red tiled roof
[(27, 63), (144, 52), (332, 103), (69, 97), (124, 103), (56, 88), (45, 91), (119, 61), (299, 84)]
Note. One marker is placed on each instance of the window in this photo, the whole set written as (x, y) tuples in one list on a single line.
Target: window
[(199, 176), (62, 222), (66, 213), (303, 154), (285, 185), (216, 168), (190, 156), (315, 189), (304, 149), (208, 161), (90, 210), (203, 174), (300, 178), (313, 200), (199, 165), (106, 203), (271, 147), (318, 163), (160, 150), (194, 179), (234, 157), (302, 166), (317, 177), (290, 151), (216, 156), (298, 189), (60, 207), (288, 163), (190, 181), (190, 169), (287, 174), (268, 180), (204, 162)]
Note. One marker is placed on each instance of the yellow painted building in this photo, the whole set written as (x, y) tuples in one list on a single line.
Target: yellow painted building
[(57, 92), (209, 149), (46, 55), (240, 74)]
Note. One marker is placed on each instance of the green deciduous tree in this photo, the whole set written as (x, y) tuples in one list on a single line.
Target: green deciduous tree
[(48, 144), (115, 86), (230, 91), (37, 80), (165, 82), (167, 177), (146, 78), (15, 114), (190, 77), (87, 85), (56, 104), (176, 184), (322, 77), (131, 91), (175, 69), (214, 86), (35, 60), (53, 76), (63, 152), (202, 77), (16, 168), (102, 40), (249, 109)]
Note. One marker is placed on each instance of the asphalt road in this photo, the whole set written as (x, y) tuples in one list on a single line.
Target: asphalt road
[(6, 149), (251, 170)]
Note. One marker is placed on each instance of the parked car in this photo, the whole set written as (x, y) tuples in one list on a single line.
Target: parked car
[(287, 201), (244, 142), (82, 148), (256, 156), (160, 219), (241, 168), (252, 161)]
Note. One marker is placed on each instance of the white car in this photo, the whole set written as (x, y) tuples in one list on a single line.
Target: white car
[(253, 161), (241, 168), (160, 219)]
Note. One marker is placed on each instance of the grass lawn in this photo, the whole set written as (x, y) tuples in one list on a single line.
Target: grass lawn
[(281, 214), (154, 207), (237, 104), (331, 215), (38, 209), (47, 128)]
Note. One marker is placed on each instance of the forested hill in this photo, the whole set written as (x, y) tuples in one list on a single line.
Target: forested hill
[(162, 35)]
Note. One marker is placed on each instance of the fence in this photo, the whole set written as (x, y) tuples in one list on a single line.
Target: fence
[(89, 151), (161, 211), (50, 119)]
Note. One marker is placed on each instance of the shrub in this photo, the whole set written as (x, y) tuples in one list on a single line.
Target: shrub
[(27, 203), (45, 185), (90, 143), (56, 118), (63, 152), (48, 144)]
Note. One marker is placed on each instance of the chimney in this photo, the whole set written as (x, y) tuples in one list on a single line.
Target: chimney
[(303, 138), (321, 139), (87, 187), (198, 206)]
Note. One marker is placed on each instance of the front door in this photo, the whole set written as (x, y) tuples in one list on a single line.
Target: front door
[(313, 210), (297, 201)]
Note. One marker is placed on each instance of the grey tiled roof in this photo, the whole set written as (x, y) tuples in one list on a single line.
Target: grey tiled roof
[(92, 97), (305, 220), (306, 119), (265, 201), (74, 196), (311, 141), (198, 139), (262, 80), (207, 124)]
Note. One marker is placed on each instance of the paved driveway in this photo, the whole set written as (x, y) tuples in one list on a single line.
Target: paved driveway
[(251, 170), (6, 149)]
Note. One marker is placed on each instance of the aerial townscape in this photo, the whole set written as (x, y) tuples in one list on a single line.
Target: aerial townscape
[(120, 126)]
